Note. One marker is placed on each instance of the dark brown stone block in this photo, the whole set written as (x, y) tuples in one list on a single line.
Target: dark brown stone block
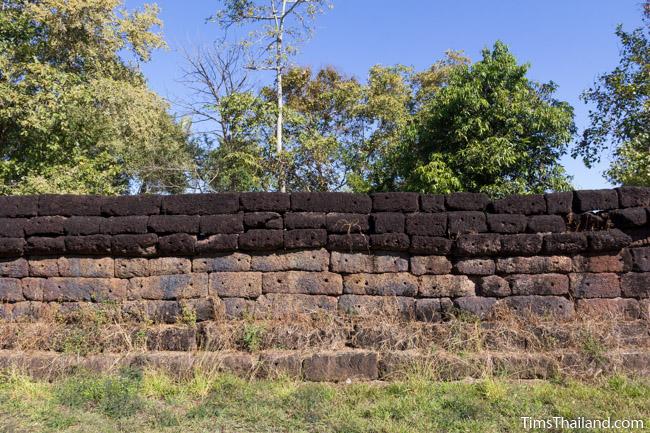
[(261, 240), (124, 225), (11, 247), (600, 199), (222, 224), (174, 223), (305, 238), (546, 224), (70, 205), (48, 225), (634, 196), (430, 245), (344, 223), (330, 202), (12, 227), (640, 259), (304, 220), (395, 202), (83, 225), (559, 202), (131, 205), (217, 243), (504, 223), (467, 201), (432, 202), (92, 244), (609, 240), (521, 204), (265, 201), (45, 246), (18, 206), (200, 204), (466, 222), (134, 245), (521, 245), (390, 242), (631, 217), (426, 224), (348, 242), (263, 220), (387, 222), (181, 244), (565, 243), (478, 245)]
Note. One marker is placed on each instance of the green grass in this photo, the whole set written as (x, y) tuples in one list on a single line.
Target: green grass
[(153, 402)]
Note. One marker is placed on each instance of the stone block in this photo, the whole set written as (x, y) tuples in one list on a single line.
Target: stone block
[(426, 224), (634, 196), (389, 284), (174, 223), (559, 202), (552, 306), (466, 201), (171, 338), (127, 205), (75, 289), (83, 225), (636, 285), (168, 287), (43, 267), (44, 246), (237, 308), (305, 238), (587, 285), (521, 245), (598, 264), (546, 224), (534, 265), (600, 199), (17, 268), (305, 220), (47, 225), (179, 244), (169, 266), (12, 227), (68, 205), (438, 286), (273, 365), (18, 206), (430, 245), (487, 244), (298, 282), (349, 242), (88, 245), (387, 222), (609, 240), (438, 265), (134, 245), (432, 202), (505, 223), (236, 284), (352, 263), (152, 311), (261, 240), (631, 217), (313, 260), (395, 202), (626, 309), (217, 244), (221, 224), (281, 304), (428, 310), (86, 267), (476, 305), (200, 204), (265, 201), (494, 285), (131, 267), (640, 259), (11, 290), (542, 284), (466, 222), (339, 367), (330, 202), (386, 306), (345, 223), (263, 220), (565, 243), (521, 204), (235, 262), (390, 242), (124, 225), (475, 267), (33, 288)]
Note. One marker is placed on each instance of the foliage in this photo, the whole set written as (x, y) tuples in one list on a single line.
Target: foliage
[(74, 116), (620, 122)]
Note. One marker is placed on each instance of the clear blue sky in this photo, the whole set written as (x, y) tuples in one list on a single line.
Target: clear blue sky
[(567, 41)]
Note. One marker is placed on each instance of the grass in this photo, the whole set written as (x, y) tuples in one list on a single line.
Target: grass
[(150, 401)]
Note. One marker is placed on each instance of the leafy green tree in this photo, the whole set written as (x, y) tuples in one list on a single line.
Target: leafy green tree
[(488, 128), (620, 122), (74, 116)]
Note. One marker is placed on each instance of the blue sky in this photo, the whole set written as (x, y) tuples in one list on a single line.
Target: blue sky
[(567, 41)]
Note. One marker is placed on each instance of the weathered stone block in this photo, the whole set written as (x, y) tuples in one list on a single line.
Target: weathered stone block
[(636, 285), (220, 224), (466, 222), (68, 204), (421, 265), (631, 217), (235, 262), (169, 266), (598, 264), (18, 206), (263, 220), (11, 247), (390, 306), (534, 265), (308, 283), (171, 338), (559, 202), (352, 263), (44, 246), (565, 243), (595, 286), (640, 259), (330, 202), (438, 286), (432, 202), (11, 290), (390, 242), (181, 244), (90, 245), (476, 305), (345, 223), (134, 245), (17, 268), (82, 225), (554, 306), (305, 238), (609, 240), (467, 201), (478, 245), (393, 284), (314, 260), (265, 201), (504, 223), (131, 205), (124, 225), (236, 284), (282, 304), (395, 202), (174, 223), (426, 224), (494, 286), (387, 222), (521, 204), (546, 224), (75, 289), (544, 284), (349, 242), (47, 225), (236, 308), (521, 245), (274, 365), (12, 227), (217, 244), (475, 267), (305, 220), (428, 310), (132, 267), (601, 199), (633, 196), (338, 367), (261, 240), (627, 309), (200, 204), (86, 267), (33, 288), (430, 245), (168, 287)]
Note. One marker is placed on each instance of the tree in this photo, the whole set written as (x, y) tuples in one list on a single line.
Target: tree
[(620, 122), (284, 23), (75, 116), (488, 129)]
